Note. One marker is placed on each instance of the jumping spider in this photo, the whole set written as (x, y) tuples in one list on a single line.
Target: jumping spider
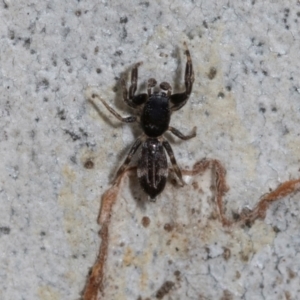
[(154, 114)]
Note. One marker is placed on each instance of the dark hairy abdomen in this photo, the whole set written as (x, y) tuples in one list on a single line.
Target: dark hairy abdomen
[(155, 117), (152, 167)]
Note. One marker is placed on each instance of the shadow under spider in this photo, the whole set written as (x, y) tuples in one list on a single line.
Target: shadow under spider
[(94, 285)]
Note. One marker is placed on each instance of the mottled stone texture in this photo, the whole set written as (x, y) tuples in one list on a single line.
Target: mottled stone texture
[(59, 151)]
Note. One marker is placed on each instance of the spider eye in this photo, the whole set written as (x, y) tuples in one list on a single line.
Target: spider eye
[(165, 86)]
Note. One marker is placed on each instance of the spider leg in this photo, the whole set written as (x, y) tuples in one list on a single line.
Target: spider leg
[(173, 160), (133, 100), (180, 99), (124, 166), (182, 136), (130, 119)]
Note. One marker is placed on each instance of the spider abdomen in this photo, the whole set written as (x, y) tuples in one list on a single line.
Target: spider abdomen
[(155, 116), (152, 168)]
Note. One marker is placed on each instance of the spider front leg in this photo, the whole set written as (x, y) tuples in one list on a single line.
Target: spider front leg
[(130, 119), (173, 160), (182, 136), (179, 100), (133, 101)]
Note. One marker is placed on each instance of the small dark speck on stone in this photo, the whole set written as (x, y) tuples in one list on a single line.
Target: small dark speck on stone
[(177, 273), (42, 233), (285, 131), (298, 14), (67, 62), (65, 31), (226, 253), (286, 11), (61, 113), (89, 164), (73, 135), (221, 95), (145, 28), (265, 73), (83, 55), (228, 88), (262, 110), (118, 53), (98, 70), (164, 289), (78, 13), (123, 20), (168, 227), (287, 27), (226, 295), (54, 60), (27, 43), (11, 34), (205, 24), (83, 132), (235, 216), (212, 73), (4, 230), (145, 221), (146, 4), (73, 159), (261, 286), (123, 34), (42, 84), (96, 50), (274, 109)]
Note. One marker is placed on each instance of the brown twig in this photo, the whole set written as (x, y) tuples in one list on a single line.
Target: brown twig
[(94, 287)]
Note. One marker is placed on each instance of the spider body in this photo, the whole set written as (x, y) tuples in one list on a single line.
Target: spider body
[(155, 111)]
